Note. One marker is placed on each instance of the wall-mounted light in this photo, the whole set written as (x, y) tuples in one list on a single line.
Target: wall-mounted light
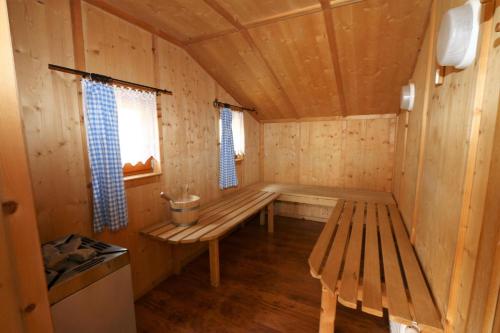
[(458, 35), (408, 97)]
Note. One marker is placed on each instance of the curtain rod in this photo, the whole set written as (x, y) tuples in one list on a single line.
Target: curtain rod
[(107, 79), (219, 104)]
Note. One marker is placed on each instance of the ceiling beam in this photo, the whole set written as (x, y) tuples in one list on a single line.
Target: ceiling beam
[(275, 18), (237, 25), (165, 36), (332, 41), (131, 19)]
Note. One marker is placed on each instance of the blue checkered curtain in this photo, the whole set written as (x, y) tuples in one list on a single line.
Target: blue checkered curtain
[(101, 121), (227, 172)]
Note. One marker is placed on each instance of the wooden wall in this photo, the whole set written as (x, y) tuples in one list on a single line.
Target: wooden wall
[(443, 169), (42, 34), (345, 152)]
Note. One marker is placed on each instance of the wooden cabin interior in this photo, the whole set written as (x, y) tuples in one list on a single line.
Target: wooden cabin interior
[(326, 165)]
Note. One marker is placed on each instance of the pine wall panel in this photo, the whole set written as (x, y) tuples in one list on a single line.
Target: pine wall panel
[(53, 128)]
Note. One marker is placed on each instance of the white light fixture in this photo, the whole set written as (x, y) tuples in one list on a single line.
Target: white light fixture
[(458, 35), (408, 97)]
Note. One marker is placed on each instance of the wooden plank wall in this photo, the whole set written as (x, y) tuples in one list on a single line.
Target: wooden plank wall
[(42, 34), (24, 303), (349, 152), (444, 172), (345, 152)]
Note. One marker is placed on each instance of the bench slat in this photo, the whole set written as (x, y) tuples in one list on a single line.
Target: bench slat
[(372, 287), (169, 233), (395, 289), (161, 229), (424, 308), (321, 247), (225, 227), (331, 270), (348, 293), (225, 200), (153, 227), (223, 219), (214, 215)]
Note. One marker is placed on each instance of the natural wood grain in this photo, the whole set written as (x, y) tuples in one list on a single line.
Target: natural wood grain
[(216, 220), (423, 308), (321, 246), (210, 30), (24, 301), (332, 267), (348, 293), (334, 54), (328, 311), (54, 131), (352, 270), (270, 291), (213, 248), (235, 220), (444, 209), (345, 153), (394, 286), (372, 287)]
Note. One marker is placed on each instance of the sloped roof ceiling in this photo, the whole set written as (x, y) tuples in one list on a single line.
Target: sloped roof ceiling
[(296, 58)]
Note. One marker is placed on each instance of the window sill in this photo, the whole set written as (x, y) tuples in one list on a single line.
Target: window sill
[(141, 179)]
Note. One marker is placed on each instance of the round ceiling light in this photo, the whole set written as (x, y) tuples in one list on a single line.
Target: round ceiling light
[(408, 97), (458, 35)]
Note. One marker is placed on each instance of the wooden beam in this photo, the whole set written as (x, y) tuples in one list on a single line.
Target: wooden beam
[(331, 118), (332, 41), (237, 25), (80, 64), (77, 32), (461, 278), (429, 82), (165, 36), (312, 9), (101, 4), (19, 229)]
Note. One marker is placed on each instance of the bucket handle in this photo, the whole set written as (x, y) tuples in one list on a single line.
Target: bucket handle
[(165, 196)]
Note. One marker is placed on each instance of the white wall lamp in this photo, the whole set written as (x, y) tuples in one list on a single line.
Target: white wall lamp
[(408, 97), (458, 35)]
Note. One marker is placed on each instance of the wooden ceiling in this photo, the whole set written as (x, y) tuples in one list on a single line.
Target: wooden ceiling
[(295, 58)]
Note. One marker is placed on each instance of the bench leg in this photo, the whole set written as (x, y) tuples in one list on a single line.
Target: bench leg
[(263, 217), (328, 311), (270, 218), (213, 249), (177, 265)]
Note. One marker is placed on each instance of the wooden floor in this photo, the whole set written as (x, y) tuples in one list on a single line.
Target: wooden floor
[(266, 287)]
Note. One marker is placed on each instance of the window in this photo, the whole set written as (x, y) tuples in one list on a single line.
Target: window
[(238, 128), (138, 130)]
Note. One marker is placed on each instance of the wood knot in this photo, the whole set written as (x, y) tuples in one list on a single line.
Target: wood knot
[(30, 308)]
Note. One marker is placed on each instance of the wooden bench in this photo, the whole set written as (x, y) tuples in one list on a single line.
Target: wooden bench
[(347, 260), (216, 220)]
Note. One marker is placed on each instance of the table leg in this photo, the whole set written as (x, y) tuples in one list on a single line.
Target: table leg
[(270, 218), (263, 217), (328, 311), (213, 249)]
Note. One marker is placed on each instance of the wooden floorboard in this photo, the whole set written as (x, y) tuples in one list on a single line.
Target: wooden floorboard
[(265, 287)]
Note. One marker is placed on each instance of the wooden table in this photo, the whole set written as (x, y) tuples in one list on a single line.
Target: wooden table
[(216, 220), (347, 260)]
